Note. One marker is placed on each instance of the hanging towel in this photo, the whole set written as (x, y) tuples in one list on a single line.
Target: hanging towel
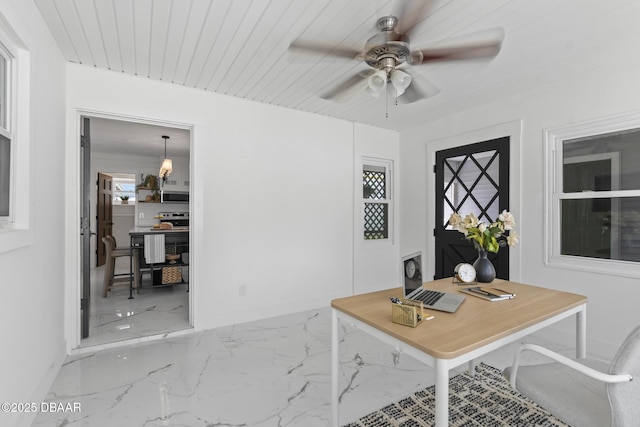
[(154, 248)]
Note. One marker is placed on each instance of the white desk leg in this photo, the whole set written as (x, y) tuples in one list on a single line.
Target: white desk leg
[(581, 333), (335, 346), (442, 393)]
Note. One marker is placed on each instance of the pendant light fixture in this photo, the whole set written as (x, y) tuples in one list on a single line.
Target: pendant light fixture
[(167, 164)]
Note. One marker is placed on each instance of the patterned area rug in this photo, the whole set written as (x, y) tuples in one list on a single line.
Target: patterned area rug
[(486, 400)]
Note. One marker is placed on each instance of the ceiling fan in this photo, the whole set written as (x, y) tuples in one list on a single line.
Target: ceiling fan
[(390, 49)]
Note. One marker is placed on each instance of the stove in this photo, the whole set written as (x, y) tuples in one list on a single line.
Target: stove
[(178, 219)]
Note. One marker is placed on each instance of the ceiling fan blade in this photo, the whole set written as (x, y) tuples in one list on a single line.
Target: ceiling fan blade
[(349, 88), (411, 14), (453, 53), (420, 88), (324, 49), (474, 49)]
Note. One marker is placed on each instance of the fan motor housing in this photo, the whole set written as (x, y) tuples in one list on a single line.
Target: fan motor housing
[(384, 45)]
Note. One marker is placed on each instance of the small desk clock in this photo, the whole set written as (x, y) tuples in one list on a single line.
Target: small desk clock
[(464, 273)]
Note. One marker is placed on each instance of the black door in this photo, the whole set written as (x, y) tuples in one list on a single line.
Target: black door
[(470, 179), (85, 143)]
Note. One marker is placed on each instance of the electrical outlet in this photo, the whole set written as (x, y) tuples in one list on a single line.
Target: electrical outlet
[(242, 290)]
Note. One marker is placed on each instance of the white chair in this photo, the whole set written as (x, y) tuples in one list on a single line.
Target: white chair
[(584, 392)]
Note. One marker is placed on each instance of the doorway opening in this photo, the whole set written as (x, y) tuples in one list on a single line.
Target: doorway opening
[(119, 156)]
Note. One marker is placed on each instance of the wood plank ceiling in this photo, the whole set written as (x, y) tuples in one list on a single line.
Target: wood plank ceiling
[(240, 47)]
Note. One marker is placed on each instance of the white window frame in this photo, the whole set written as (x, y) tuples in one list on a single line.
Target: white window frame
[(7, 130), (117, 180), (388, 200), (554, 139), (15, 229)]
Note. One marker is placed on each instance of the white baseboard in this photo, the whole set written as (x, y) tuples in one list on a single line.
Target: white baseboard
[(265, 312), (132, 341)]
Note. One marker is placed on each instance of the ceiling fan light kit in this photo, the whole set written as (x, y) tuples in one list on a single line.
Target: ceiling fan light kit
[(389, 49), (377, 82), (400, 80)]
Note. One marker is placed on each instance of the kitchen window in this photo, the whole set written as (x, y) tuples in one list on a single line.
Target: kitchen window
[(376, 199), (594, 215), (124, 189)]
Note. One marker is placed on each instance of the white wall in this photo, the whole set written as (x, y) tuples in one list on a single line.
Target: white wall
[(32, 277), (376, 263), (591, 92), (272, 195)]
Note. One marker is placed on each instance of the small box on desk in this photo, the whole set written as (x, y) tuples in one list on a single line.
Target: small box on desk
[(409, 313)]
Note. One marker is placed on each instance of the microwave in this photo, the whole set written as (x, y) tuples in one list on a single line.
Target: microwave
[(175, 197)]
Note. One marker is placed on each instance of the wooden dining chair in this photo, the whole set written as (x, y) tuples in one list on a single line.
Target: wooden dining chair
[(113, 252)]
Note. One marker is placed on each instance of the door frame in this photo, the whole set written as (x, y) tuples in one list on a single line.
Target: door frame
[(85, 227), (451, 242), (513, 130), (73, 239)]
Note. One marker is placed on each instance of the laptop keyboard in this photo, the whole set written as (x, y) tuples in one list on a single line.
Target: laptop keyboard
[(428, 297)]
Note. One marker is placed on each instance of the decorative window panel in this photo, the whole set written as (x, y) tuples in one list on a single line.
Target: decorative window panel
[(376, 199)]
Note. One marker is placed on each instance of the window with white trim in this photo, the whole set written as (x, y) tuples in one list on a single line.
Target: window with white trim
[(6, 136), (595, 196), (15, 89), (124, 189), (376, 199)]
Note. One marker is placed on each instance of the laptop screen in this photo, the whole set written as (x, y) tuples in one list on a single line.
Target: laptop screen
[(412, 272)]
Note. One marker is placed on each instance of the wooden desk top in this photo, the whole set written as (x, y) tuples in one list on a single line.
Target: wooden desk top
[(477, 322)]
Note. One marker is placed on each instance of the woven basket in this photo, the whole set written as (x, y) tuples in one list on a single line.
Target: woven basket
[(171, 275)]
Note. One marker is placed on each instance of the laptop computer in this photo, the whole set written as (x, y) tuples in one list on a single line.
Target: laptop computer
[(434, 300)]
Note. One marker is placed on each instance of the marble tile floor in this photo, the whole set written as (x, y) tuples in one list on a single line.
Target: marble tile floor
[(116, 318), (273, 372)]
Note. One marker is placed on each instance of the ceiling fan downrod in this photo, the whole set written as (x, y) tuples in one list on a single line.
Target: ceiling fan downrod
[(387, 63)]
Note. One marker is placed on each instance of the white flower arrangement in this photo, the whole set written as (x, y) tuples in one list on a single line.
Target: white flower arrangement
[(488, 237)]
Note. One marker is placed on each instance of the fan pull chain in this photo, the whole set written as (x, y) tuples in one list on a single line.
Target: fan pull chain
[(386, 103)]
